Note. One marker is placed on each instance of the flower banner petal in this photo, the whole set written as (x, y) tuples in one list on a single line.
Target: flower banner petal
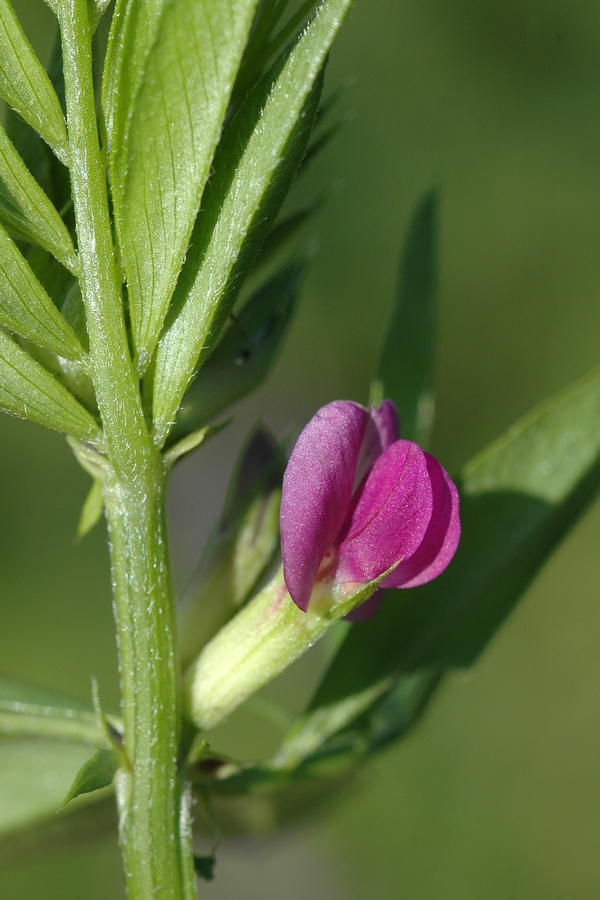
[(317, 491)]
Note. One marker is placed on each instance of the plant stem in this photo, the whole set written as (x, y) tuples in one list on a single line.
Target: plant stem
[(149, 796), (158, 863)]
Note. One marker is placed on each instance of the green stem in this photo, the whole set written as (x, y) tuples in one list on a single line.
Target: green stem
[(154, 823), (150, 793)]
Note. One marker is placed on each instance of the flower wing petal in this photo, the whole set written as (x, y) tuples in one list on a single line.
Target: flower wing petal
[(441, 538), (317, 491), (387, 421), (390, 515)]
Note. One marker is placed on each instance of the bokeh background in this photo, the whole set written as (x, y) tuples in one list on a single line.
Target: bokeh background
[(497, 794)]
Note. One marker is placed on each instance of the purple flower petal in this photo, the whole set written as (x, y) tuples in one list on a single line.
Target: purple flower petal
[(380, 433), (387, 421), (389, 516), (317, 491), (441, 538)]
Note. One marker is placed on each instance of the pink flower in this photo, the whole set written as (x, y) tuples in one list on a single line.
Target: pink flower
[(357, 501)]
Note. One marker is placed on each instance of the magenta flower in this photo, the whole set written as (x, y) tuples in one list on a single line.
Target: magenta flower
[(357, 501)]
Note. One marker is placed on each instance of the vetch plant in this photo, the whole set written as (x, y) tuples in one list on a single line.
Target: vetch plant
[(146, 284)]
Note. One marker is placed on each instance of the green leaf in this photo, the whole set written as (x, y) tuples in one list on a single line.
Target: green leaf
[(192, 441), (92, 509), (134, 27), (264, 45), (310, 732), (519, 498), (26, 308), (286, 229), (30, 710), (241, 547), (25, 209), (96, 773), (254, 168), (34, 777), (160, 168), (407, 359), (51, 175), (25, 85), (245, 354), (331, 741), (27, 390), (96, 9)]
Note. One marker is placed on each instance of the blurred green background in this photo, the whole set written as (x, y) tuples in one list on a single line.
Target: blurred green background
[(497, 794)]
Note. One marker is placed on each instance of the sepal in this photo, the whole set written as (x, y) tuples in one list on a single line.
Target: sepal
[(260, 642)]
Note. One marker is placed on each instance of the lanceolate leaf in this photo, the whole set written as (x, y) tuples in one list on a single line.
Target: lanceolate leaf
[(26, 87), (91, 512), (518, 500), (27, 390), (26, 308), (332, 740), (25, 209), (96, 773), (254, 168), (406, 366), (29, 710), (96, 9), (51, 175), (134, 27), (159, 174), (245, 354)]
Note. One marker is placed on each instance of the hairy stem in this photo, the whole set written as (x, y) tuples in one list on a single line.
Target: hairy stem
[(152, 816), (150, 793)]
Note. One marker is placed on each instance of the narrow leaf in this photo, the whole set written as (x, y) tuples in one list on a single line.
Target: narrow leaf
[(254, 169), (158, 175), (96, 773), (25, 85), (286, 229), (406, 365), (29, 710), (519, 498), (51, 175), (192, 441), (331, 741), (134, 26), (27, 390), (25, 209), (246, 353), (26, 308), (92, 509), (96, 9)]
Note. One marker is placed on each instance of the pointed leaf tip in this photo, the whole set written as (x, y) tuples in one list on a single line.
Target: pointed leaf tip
[(98, 772)]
